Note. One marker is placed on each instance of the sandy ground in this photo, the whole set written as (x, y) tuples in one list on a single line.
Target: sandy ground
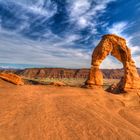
[(66, 113)]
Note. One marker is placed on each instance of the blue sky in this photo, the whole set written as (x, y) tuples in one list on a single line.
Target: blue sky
[(63, 33)]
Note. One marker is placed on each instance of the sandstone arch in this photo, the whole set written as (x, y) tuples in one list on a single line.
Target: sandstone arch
[(116, 46)]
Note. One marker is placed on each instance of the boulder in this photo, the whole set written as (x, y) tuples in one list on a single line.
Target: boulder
[(117, 47), (12, 78)]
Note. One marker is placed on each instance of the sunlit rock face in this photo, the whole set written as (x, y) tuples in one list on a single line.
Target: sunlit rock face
[(116, 46), (12, 78)]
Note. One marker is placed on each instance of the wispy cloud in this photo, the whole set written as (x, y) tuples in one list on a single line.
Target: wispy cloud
[(47, 53), (111, 62), (56, 33), (86, 13), (118, 28)]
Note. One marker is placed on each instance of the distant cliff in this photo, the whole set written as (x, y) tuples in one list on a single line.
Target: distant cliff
[(63, 73)]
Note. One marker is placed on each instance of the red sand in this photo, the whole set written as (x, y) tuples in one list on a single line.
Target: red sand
[(66, 113)]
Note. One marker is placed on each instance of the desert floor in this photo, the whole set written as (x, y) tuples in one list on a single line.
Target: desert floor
[(35, 112)]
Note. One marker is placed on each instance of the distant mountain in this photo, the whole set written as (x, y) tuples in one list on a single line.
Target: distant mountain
[(18, 66), (63, 73)]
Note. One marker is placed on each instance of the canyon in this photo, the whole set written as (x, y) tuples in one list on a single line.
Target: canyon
[(63, 73)]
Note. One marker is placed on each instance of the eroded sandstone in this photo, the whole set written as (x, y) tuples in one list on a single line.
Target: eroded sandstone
[(116, 46), (12, 78)]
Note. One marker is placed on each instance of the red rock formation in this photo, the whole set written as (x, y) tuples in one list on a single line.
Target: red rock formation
[(64, 73), (53, 73), (116, 46), (13, 78)]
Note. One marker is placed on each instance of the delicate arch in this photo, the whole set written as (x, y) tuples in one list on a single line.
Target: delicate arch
[(116, 46)]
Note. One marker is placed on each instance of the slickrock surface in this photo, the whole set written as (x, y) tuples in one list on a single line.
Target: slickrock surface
[(13, 78), (116, 46), (64, 113)]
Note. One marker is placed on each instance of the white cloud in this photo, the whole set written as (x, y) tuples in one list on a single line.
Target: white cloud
[(82, 14), (137, 61), (135, 49), (79, 7), (38, 8), (56, 50), (83, 22), (111, 63), (117, 28), (71, 37), (47, 52)]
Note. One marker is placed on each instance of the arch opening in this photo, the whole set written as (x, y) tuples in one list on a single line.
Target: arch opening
[(112, 71)]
